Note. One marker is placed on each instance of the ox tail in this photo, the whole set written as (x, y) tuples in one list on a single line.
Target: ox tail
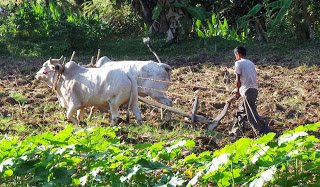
[(148, 43), (133, 95)]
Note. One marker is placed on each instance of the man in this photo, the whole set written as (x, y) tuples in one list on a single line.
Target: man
[(246, 81)]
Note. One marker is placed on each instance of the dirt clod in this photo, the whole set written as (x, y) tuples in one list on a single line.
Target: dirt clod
[(11, 101)]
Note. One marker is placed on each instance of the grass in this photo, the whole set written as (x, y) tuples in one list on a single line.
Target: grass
[(117, 48)]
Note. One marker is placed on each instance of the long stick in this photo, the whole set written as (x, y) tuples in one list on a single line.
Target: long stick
[(146, 41), (198, 118), (73, 53)]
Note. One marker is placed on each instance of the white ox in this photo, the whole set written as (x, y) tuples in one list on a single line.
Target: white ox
[(81, 87), (152, 78)]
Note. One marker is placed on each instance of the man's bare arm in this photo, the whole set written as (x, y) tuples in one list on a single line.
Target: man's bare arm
[(238, 83)]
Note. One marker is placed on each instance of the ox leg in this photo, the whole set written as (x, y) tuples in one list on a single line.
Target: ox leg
[(91, 112), (115, 115), (166, 101), (80, 114), (70, 111), (136, 111)]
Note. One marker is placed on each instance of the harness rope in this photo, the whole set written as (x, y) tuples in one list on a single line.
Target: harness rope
[(253, 128)]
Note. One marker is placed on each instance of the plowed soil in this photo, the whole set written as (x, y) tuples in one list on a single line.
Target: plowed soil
[(288, 96)]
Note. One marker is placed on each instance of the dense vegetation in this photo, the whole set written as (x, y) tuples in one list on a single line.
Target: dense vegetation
[(96, 157), (78, 25), (37, 151)]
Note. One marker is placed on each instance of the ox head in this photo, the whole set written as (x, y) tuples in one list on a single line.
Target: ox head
[(103, 60), (46, 73)]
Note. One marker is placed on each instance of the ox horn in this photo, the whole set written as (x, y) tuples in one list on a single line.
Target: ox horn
[(50, 61), (98, 55), (92, 58)]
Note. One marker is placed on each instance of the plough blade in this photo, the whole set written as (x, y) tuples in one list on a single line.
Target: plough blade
[(217, 120)]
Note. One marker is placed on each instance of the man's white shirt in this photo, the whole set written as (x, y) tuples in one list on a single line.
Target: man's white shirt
[(248, 75)]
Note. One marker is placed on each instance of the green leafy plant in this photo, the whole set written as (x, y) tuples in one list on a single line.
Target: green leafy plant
[(95, 156), (215, 27), (119, 17), (273, 12), (33, 21)]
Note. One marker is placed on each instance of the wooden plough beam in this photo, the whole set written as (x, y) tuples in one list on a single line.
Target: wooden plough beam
[(194, 117)]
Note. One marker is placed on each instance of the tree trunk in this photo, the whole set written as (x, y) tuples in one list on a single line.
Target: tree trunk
[(301, 20), (146, 11), (260, 33), (79, 2), (47, 3)]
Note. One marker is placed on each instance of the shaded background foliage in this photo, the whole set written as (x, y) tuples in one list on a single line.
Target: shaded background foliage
[(80, 24)]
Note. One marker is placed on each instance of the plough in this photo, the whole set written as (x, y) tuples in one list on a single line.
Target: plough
[(193, 116)]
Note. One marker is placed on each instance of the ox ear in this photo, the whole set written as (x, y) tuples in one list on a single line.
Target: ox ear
[(50, 60)]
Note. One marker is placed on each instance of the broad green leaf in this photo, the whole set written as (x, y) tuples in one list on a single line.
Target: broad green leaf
[(156, 11), (190, 158), (205, 155), (255, 9), (241, 146), (265, 177), (115, 165), (198, 23), (214, 19), (196, 12), (155, 148), (65, 134), (284, 9), (176, 181), (142, 146), (190, 144), (236, 172), (145, 164), (131, 173), (76, 181), (290, 137), (62, 176), (8, 162), (313, 127), (8, 173), (260, 153), (216, 162), (120, 157), (265, 139), (252, 13), (194, 180), (83, 180)]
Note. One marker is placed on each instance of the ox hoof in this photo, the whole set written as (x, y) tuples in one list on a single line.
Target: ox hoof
[(82, 124), (116, 121)]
